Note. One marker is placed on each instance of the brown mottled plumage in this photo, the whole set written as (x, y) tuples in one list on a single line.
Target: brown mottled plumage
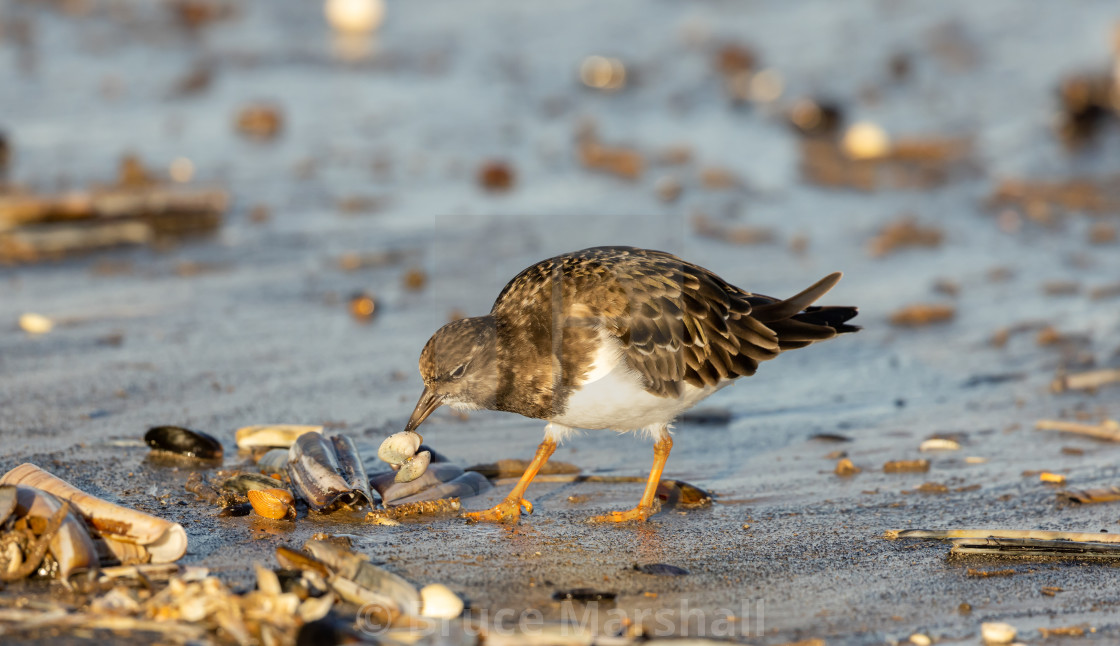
[(614, 337)]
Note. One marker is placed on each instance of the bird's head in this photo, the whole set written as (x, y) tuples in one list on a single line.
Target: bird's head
[(458, 366)]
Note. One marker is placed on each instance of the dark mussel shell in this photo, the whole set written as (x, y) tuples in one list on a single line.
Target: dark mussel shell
[(245, 481), (184, 441), (681, 495)]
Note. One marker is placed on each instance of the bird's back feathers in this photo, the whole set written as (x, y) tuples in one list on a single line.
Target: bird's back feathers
[(676, 323)]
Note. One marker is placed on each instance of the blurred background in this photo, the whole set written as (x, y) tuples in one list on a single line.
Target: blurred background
[(220, 213)]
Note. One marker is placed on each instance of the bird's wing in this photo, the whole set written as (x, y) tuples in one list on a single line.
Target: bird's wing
[(677, 323)]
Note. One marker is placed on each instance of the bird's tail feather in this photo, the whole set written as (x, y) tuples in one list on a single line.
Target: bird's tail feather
[(798, 322)]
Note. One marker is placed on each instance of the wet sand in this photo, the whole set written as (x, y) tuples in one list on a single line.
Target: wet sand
[(251, 326)]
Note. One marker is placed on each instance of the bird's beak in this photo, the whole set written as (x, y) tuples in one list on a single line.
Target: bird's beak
[(427, 404)]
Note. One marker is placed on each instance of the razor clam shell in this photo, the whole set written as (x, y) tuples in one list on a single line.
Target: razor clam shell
[(275, 435), (165, 541), (316, 475), (357, 569), (350, 466), (115, 552), (71, 545), (245, 482), (441, 480), (7, 502)]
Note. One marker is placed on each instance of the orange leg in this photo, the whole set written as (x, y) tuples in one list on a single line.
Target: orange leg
[(648, 505), (509, 510)]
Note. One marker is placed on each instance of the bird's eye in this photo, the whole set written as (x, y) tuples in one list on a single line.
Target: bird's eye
[(458, 372)]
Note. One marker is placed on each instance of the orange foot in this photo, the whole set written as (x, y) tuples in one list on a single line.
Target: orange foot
[(638, 514), (507, 511)]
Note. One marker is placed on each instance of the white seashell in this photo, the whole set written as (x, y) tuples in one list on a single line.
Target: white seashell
[(865, 140), (439, 602), (398, 448), (939, 444), (414, 468), (354, 16), (33, 323), (997, 633), (975, 459)]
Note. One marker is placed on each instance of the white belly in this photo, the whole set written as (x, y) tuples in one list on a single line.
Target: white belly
[(612, 397)]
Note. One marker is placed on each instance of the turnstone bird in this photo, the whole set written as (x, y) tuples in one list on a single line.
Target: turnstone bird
[(615, 338)]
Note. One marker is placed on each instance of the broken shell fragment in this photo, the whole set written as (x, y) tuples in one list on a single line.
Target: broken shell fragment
[(273, 503), (354, 16), (274, 435), (439, 602), (184, 441), (906, 466), (71, 546), (398, 448), (1051, 478), (33, 323), (845, 467), (414, 467), (997, 633), (939, 444), (162, 540), (327, 473)]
